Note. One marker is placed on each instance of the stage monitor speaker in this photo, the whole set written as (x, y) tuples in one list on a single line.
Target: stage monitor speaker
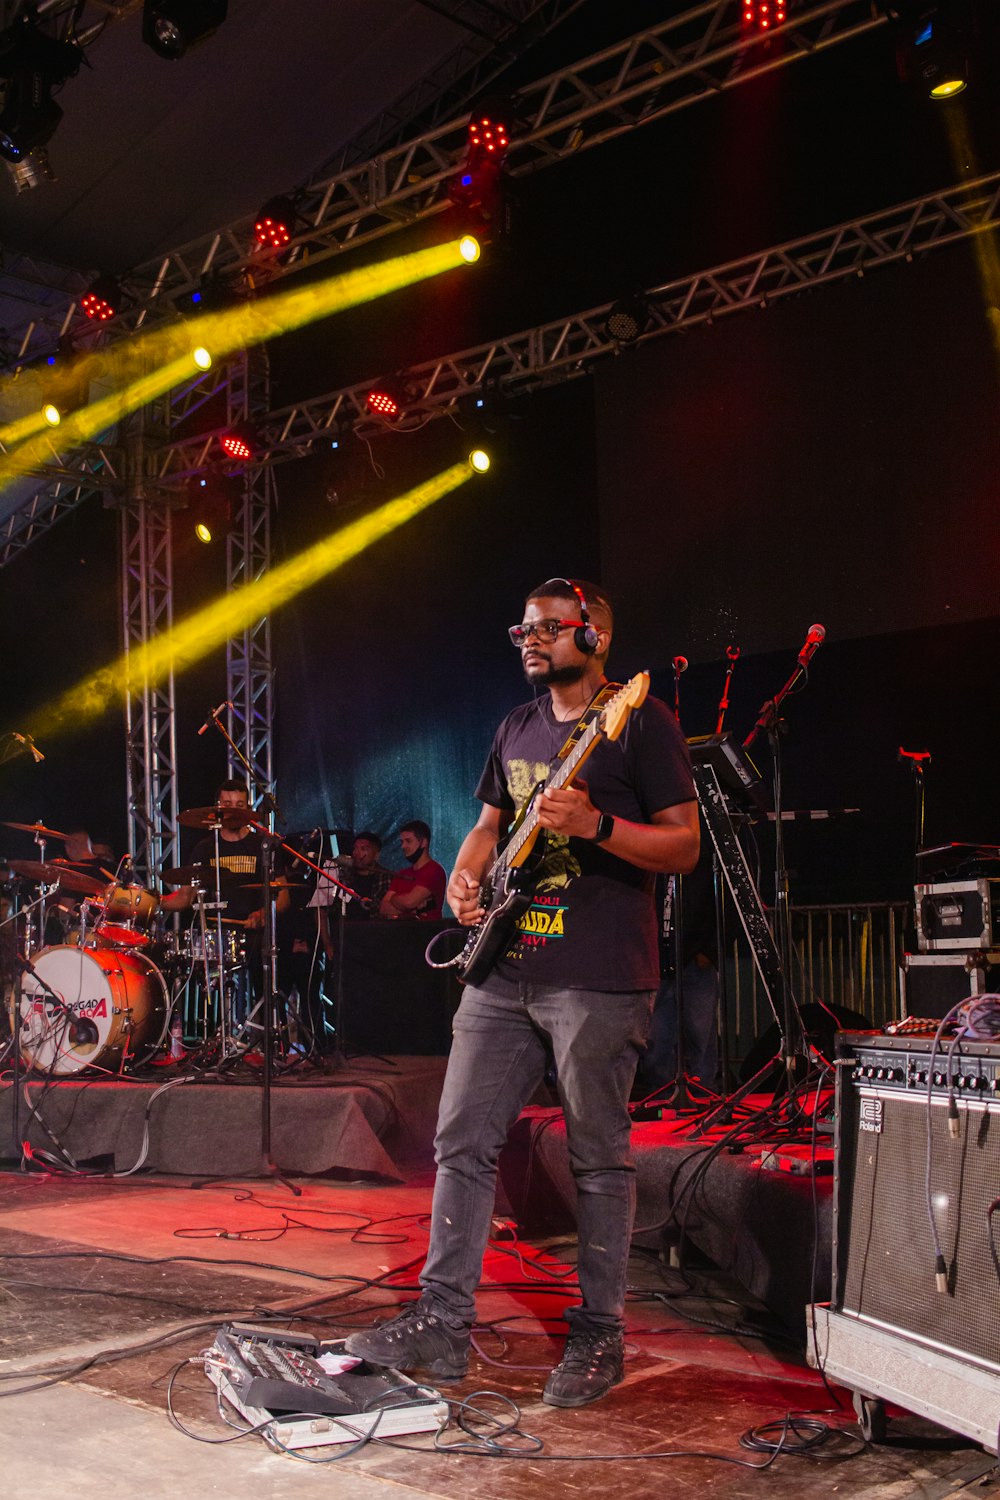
[(884, 1256), (393, 1002)]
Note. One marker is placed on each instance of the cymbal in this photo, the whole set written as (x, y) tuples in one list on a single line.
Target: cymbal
[(69, 880), (276, 885), (185, 874), (206, 817), (39, 828)]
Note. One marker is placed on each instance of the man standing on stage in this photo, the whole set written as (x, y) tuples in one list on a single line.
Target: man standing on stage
[(419, 890), (580, 973)]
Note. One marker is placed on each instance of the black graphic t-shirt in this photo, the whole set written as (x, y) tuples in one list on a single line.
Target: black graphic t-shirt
[(240, 875), (592, 922)]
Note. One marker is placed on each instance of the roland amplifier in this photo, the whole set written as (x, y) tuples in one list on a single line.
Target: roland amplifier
[(889, 1330)]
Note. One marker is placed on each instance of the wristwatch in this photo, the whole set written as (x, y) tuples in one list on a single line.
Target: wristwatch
[(605, 826)]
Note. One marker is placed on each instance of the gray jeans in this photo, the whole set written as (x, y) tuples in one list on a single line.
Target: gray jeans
[(498, 1058)]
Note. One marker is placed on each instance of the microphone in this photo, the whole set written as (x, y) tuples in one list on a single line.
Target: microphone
[(680, 665), (813, 641), (214, 714), (82, 1030), (29, 745)]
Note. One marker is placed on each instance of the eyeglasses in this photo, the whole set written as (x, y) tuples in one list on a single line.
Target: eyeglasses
[(546, 630)]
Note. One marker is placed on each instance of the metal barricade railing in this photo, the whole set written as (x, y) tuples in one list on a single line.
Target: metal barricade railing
[(844, 955)]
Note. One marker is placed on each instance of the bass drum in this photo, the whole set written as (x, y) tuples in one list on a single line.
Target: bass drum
[(118, 1003)]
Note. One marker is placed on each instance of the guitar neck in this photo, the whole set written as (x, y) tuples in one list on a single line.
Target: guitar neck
[(560, 778)]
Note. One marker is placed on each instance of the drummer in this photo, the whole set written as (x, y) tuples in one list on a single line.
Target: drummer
[(89, 858), (240, 872)]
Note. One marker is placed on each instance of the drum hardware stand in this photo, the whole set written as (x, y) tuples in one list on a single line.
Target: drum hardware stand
[(60, 1007), (15, 1020)]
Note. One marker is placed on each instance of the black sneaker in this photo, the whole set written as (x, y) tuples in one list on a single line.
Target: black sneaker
[(416, 1339), (590, 1366)]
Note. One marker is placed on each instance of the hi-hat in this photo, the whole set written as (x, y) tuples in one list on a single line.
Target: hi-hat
[(185, 874), (277, 884), (39, 828), (207, 817)]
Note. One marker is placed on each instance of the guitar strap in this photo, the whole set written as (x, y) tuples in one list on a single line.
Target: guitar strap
[(589, 714)]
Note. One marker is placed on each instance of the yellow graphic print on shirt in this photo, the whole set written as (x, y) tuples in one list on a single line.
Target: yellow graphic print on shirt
[(558, 866)]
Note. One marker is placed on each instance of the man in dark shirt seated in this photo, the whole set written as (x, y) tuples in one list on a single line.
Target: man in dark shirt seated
[(363, 874), (419, 890)]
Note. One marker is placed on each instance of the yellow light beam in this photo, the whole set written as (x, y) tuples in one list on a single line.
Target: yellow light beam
[(90, 421), (984, 246), (223, 334), (201, 632)]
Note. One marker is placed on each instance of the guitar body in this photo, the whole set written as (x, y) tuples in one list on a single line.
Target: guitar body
[(505, 902), (509, 888)]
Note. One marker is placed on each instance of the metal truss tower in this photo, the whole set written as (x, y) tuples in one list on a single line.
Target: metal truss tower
[(249, 666), (147, 602)]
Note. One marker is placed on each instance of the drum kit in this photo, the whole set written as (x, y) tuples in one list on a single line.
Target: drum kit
[(120, 986)]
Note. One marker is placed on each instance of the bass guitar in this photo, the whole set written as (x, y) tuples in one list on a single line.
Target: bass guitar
[(508, 885)]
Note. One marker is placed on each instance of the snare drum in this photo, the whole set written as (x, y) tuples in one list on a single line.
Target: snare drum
[(118, 1004), (124, 916), (197, 947)]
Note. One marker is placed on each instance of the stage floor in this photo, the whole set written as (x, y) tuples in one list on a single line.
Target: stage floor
[(111, 1284)]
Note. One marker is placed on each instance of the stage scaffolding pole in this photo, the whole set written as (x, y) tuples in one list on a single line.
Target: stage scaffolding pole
[(249, 664), (147, 611)]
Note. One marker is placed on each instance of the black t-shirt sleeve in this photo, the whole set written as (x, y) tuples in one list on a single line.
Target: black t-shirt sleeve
[(492, 787), (657, 758)]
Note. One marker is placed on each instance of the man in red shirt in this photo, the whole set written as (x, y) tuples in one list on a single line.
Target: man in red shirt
[(419, 890)]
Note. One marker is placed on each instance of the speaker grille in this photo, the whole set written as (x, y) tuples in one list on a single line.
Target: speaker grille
[(885, 1259)]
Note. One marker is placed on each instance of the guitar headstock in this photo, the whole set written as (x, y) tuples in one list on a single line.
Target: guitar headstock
[(617, 709)]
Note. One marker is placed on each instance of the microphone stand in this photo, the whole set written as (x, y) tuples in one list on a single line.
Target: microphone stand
[(733, 653), (679, 1099), (793, 1039), (918, 761), (269, 1168)]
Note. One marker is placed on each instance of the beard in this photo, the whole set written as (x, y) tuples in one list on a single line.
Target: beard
[(547, 675)]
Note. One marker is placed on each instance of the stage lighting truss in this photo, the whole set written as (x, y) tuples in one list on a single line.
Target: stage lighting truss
[(172, 27), (32, 64), (103, 299)]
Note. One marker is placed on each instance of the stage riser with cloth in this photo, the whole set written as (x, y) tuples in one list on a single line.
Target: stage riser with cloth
[(758, 1225)]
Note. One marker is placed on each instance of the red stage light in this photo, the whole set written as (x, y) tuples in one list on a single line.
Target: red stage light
[(239, 444), (274, 224), (488, 136), (102, 299), (764, 14), (387, 399)]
